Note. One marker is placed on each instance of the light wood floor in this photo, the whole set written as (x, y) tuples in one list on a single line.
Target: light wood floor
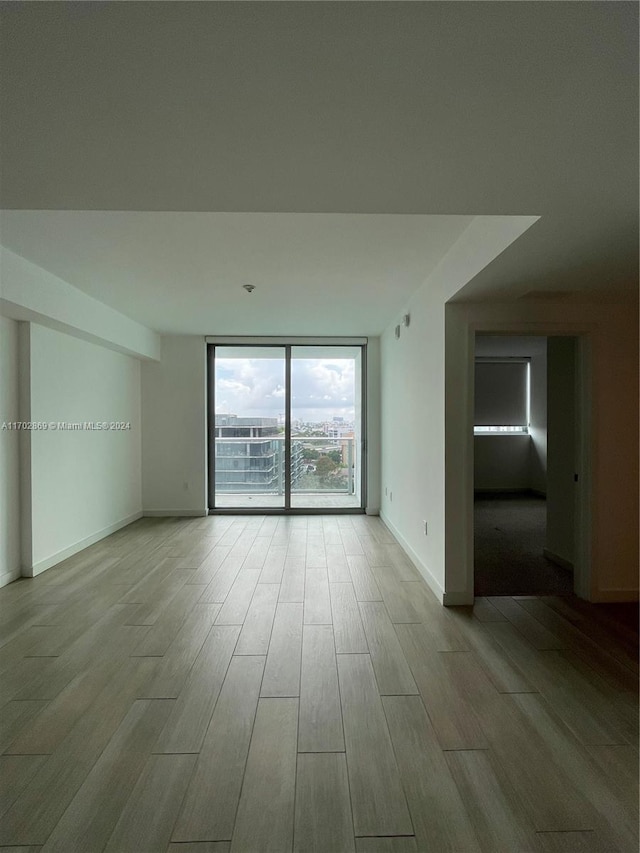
[(269, 683)]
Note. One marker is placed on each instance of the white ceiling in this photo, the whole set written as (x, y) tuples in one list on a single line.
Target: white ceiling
[(343, 274), (394, 114)]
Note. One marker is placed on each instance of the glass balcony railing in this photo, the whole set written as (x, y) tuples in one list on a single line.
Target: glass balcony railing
[(319, 465)]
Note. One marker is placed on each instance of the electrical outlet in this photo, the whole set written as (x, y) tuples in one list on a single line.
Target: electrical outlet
[(426, 530)]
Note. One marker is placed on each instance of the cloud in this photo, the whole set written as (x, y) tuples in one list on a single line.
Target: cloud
[(248, 386), (321, 389)]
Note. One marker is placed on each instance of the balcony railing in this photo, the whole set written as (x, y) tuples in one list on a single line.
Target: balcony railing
[(319, 465)]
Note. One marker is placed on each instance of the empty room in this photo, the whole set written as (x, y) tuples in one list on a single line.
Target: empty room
[(318, 427)]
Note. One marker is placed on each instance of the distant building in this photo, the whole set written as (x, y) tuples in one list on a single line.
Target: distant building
[(250, 455), (338, 429)]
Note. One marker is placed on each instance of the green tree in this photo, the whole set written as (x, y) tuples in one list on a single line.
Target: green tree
[(325, 466)]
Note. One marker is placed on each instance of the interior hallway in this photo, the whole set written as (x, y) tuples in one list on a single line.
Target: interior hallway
[(270, 683)]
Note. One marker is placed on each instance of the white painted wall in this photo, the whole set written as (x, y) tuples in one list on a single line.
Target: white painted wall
[(563, 461), (414, 404), (413, 461), (9, 454), (538, 422), (30, 293), (174, 439), (502, 462), (83, 484), (513, 461), (611, 330)]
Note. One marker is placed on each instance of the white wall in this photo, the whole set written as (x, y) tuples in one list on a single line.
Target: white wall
[(83, 484), (30, 293), (502, 462), (413, 462), (414, 404), (514, 461), (611, 520), (538, 421), (563, 460), (9, 454), (174, 440)]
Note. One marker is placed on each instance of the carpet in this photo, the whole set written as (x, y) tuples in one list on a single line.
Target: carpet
[(509, 535)]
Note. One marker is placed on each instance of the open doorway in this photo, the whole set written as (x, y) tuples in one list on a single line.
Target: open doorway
[(526, 455)]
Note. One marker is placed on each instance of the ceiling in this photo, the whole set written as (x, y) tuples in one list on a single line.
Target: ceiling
[(184, 272), (510, 345), (328, 153)]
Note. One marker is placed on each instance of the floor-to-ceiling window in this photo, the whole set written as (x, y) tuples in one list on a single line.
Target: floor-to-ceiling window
[(286, 426)]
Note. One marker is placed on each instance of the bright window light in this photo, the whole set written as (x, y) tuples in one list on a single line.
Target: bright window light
[(500, 430)]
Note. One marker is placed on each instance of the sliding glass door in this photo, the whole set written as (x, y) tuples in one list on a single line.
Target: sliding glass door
[(249, 427), (326, 427), (285, 427)]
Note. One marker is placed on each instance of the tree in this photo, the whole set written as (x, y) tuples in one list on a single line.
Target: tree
[(336, 456), (331, 476), (325, 466)]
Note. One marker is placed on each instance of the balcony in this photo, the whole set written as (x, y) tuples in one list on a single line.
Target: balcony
[(324, 472)]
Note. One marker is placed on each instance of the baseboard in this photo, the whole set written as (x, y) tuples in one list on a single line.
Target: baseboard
[(455, 599), (558, 560), (9, 577), (161, 513), (615, 596), (54, 559), (417, 562)]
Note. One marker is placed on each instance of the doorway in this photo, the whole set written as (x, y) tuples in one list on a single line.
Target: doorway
[(286, 427), (526, 464)]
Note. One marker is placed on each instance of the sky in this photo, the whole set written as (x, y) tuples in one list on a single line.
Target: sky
[(321, 389)]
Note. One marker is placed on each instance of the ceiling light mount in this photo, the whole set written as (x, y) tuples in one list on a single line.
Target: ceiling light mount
[(249, 287)]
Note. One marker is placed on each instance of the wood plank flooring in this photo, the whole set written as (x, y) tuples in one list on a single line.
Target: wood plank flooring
[(288, 684)]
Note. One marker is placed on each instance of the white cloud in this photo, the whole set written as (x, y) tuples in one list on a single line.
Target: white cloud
[(321, 388)]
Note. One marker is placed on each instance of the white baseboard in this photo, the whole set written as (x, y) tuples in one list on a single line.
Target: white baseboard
[(161, 513), (417, 562), (453, 599), (9, 577), (557, 559), (54, 559)]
